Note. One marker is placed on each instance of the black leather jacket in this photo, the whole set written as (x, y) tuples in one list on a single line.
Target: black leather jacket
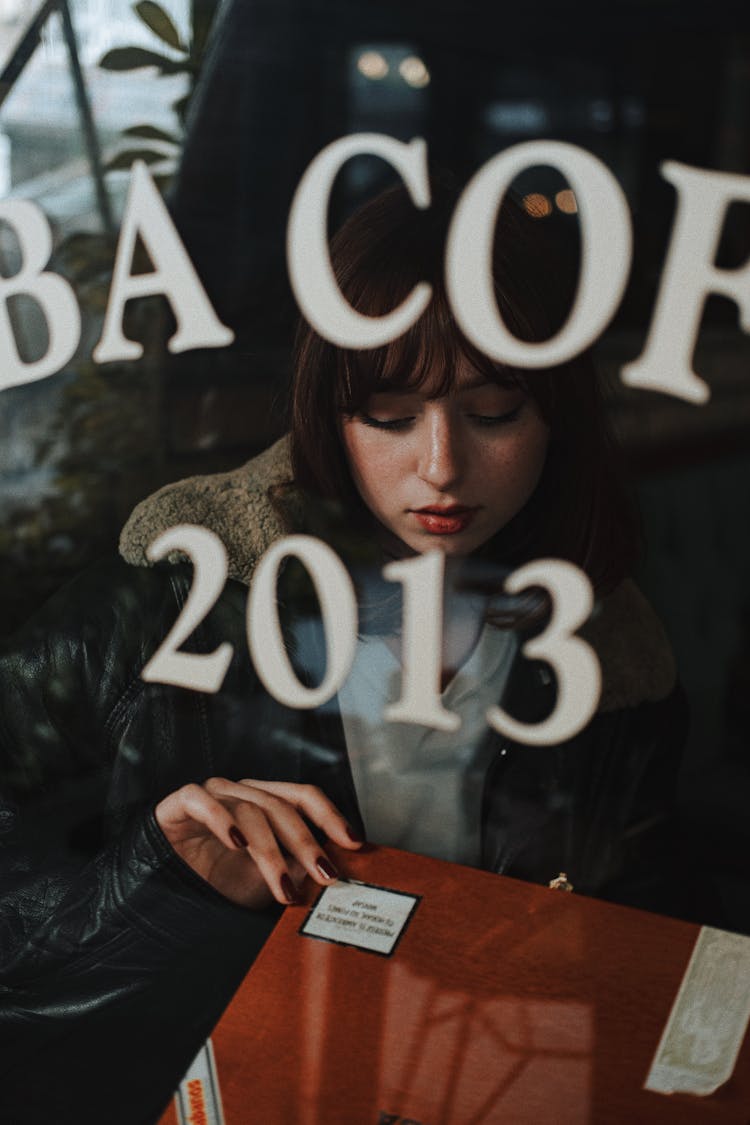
[(117, 959)]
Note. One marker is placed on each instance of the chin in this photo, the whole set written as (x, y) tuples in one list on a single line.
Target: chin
[(452, 546)]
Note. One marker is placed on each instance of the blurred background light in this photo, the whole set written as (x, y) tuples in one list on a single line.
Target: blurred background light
[(414, 72), (516, 116), (372, 65), (601, 114), (566, 201), (537, 205)]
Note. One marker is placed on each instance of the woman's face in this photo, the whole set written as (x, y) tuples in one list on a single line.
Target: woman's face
[(448, 472)]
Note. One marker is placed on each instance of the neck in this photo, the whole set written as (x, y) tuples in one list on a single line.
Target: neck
[(463, 619)]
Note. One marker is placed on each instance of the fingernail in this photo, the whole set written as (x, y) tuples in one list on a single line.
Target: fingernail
[(355, 836), (326, 868), (288, 889), (237, 838)]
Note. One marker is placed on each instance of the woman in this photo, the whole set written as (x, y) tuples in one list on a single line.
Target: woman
[(144, 820), (426, 444)]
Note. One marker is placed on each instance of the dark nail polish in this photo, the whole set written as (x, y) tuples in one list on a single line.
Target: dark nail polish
[(288, 889), (326, 868), (355, 836), (237, 838)]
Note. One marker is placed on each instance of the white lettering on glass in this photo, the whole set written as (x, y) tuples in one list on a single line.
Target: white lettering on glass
[(53, 294), (690, 276), (310, 271), (606, 238), (173, 276), (422, 642), (198, 671), (338, 608), (573, 661)]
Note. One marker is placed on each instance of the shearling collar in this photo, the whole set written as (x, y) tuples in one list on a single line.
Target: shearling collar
[(634, 653), (235, 505)]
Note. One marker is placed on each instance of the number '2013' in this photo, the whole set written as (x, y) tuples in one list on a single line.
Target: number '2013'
[(573, 661)]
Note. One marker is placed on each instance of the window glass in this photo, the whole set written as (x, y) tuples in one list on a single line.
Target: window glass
[(516, 633)]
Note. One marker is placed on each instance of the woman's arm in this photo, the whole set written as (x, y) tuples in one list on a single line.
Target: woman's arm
[(118, 954), (122, 980), (73, 714)]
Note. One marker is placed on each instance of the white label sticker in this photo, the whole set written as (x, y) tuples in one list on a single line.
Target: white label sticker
[(198, 1101), (359, 914), (709, 1018)]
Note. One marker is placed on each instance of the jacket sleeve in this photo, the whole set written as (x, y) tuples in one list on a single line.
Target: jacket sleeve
[(116, 957)]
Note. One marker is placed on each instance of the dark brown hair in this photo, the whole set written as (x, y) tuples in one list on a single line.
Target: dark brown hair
[(580, 509)]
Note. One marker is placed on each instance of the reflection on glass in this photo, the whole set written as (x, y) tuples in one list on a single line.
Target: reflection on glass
[(414, 72), (463, 1056), (372, 65), (442, 1040), (537, 205), (566, 201)]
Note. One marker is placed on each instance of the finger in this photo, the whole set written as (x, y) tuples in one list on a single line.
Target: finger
[(312, 801), (192, 804), (296, 870), (263, 848), (286, 824)]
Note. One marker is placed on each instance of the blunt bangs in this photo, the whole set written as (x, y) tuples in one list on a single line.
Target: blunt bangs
[(429, 353), (387, 249)]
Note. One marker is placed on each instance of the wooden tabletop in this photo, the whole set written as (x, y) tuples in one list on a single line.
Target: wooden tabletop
[(503, 1002)]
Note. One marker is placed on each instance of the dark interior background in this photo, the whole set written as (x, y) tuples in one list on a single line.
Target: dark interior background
[(634, 82)]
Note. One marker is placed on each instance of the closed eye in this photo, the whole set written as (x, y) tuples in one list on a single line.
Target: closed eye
[(498, 419), (385, 423), (399, 424)]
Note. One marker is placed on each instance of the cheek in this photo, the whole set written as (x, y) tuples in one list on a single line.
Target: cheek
[(355, 450), (534, 459), (368, 458), (520, 466)]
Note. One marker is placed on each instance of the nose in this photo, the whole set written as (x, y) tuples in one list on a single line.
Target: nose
[(440, 449)]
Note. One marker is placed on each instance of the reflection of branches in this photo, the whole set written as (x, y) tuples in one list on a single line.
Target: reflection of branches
[(412, 1061), (485, 1022), (501, 1036), (507, 935), (494, 1096), (448, 1015), (474, 1020), (454, 1071)]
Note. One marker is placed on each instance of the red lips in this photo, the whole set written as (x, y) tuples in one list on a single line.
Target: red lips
[(447, 520)]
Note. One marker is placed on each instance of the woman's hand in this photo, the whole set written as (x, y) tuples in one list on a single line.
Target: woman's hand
[(249, 840)]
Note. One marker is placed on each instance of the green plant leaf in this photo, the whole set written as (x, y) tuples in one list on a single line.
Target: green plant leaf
[(154, 16), (125, 158), (150, 133), (180, 107), (131, 58)]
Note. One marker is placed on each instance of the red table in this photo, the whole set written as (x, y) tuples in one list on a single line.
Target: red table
[(503, 1002)]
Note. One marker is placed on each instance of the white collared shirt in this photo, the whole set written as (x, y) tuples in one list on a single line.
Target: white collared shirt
[(421, 789)]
